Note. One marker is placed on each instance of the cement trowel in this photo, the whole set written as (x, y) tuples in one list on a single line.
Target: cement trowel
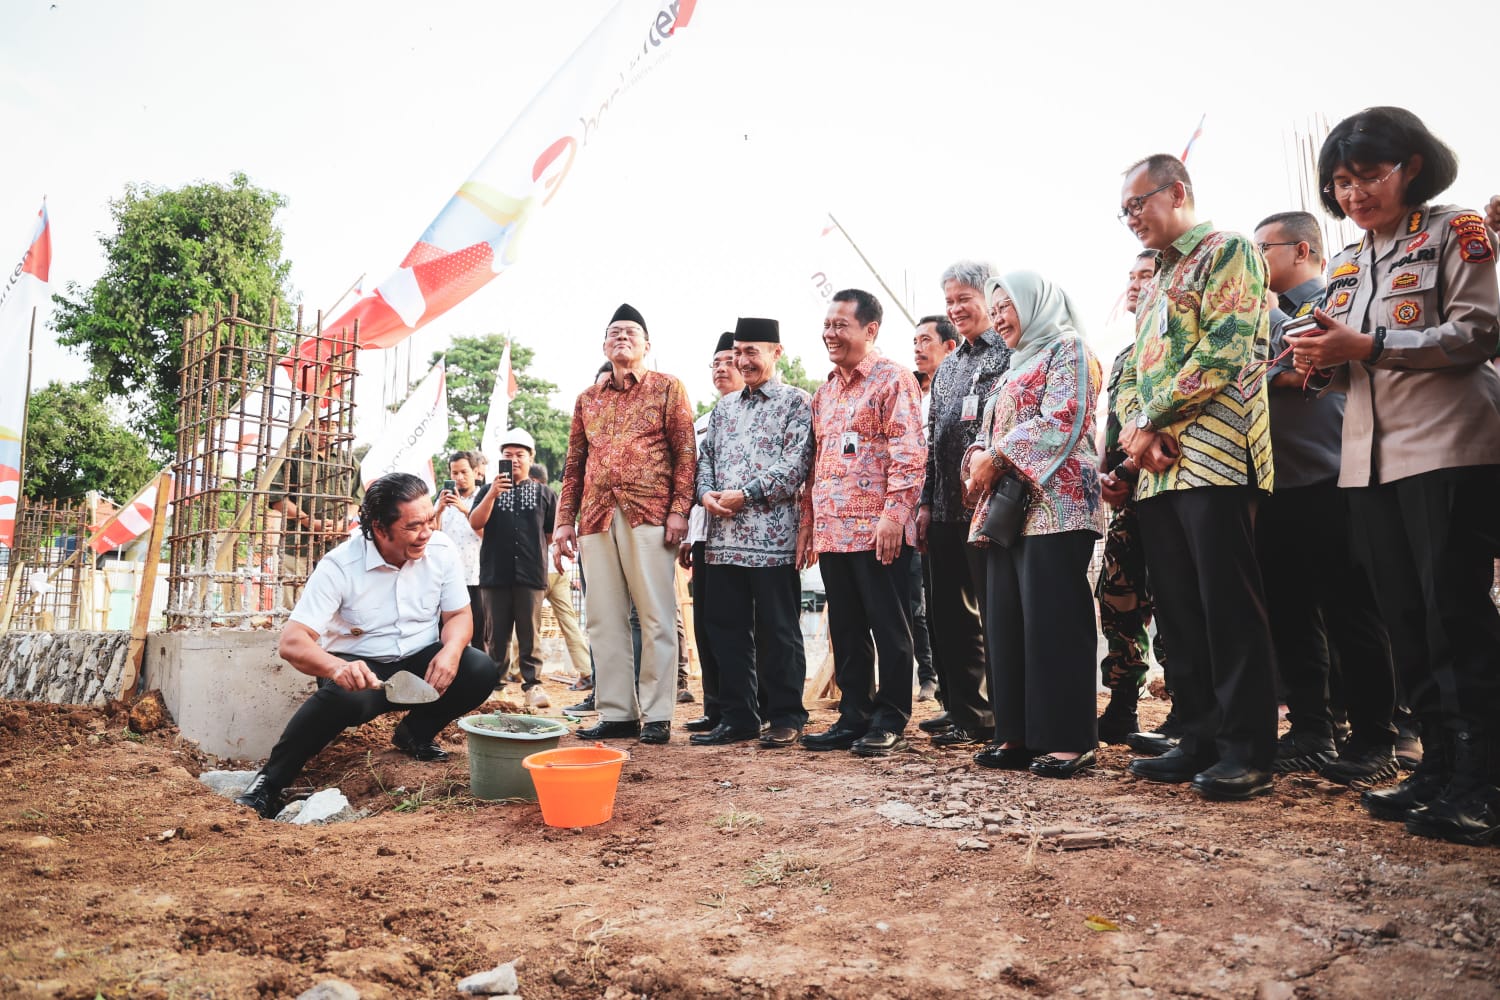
[(406, 688)]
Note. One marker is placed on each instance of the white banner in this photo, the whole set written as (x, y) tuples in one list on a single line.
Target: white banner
[(497, 421), (419, 430), (23, 289)]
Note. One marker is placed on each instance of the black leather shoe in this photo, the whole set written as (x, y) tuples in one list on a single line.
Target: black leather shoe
[(1172, 767), (263, 795), (1061, 767), (779, 736), (837, 738), (1005, 758), (1116, 726), (656, 732), (427, 750), (1467, 812), (1153, 743), (1425, 783), (701, 724), (685, 696), (878, 743), (937, 723), (584, 707), (1367, 765), (722, 734), (955, 737), (1297, 753), (1230, 782), (618, 730)]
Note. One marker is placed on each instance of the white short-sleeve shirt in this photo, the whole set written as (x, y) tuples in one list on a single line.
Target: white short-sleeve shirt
[(455, 524), (362, 605)]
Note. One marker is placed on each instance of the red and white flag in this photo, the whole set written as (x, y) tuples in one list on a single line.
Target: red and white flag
[(497, 421), (133, 522), (23, 291), (477, 234)]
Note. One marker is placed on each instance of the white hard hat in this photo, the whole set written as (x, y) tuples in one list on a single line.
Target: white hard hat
[(517, 436)]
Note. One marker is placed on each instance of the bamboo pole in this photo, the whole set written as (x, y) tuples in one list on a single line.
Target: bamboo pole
[(899, 304), (134, 657), (12, 591)]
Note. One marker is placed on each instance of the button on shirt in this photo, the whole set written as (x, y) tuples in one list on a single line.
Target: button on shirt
[(630, 448), (869, 457), (760, 441), (362, 605), (514, 548), (971, 369)]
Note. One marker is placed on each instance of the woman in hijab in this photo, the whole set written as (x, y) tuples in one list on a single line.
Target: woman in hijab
[(1411, 321), (1037, 445)]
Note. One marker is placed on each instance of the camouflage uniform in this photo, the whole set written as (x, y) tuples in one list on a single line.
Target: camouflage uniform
[(1125, 604)]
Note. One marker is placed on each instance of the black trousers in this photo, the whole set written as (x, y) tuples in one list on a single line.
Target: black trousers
[(921, 640), (1324, 621), (868, 604), (331, 709), (708, 663), (1040, 613), (1429, 542), (934, 672), (515, 610), (958, 574), (757, 638), (1210, 604), (476, 606)]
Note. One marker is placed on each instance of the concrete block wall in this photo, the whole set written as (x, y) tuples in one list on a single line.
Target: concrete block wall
[(65, 668)]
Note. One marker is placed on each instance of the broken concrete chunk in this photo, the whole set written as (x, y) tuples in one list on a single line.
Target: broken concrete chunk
[(330, 989), (499, 980)]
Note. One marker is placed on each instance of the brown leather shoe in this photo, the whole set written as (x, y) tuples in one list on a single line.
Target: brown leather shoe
[(780, 736)]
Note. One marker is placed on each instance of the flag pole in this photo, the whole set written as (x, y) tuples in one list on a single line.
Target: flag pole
[(26, 411), (357, 282), (899, 304)]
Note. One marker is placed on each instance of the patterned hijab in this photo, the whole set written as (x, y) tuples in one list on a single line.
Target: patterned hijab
[(1045, 310)]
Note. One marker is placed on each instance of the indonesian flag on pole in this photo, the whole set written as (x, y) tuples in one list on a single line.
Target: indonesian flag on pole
[(24, 290), (419, 429), (134, 520), (477, 234), (497, 421)]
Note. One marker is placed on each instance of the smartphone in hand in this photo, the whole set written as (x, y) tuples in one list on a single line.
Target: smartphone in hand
[(449, 486), (505, 467)]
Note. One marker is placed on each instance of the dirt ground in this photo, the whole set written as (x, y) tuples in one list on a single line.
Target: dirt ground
[(726, 872)]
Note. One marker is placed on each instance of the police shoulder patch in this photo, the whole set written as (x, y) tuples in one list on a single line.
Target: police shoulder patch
[(1465, 221), (1407, 312), (1347, 267), (1476, 249)]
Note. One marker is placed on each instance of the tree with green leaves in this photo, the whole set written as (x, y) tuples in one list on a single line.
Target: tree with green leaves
[(74, 445), (471, 364), (172, 253)]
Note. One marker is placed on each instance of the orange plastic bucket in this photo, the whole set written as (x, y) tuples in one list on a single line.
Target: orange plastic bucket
[(576, 786)]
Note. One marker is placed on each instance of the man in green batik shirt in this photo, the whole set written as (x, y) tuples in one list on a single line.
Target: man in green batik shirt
[(1196, 423)]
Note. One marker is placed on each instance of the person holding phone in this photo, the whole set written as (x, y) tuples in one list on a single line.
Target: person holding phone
[(454, 504), (1410, 326), (514, 517)]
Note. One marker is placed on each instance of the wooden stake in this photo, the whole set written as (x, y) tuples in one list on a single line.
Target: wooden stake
[(12, 591), (134, 657)]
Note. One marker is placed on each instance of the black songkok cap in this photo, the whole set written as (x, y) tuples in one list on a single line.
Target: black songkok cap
[(726, 343), (751, 329), (630, 314)]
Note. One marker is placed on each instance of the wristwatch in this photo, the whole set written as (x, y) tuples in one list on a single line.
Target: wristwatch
[(1143, 423)]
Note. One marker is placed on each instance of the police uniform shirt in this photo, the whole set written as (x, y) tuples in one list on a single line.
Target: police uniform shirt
[(513, 552), (362, 605)]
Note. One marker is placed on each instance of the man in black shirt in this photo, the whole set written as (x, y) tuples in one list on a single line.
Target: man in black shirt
[(514, 517)]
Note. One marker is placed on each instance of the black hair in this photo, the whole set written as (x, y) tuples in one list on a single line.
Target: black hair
[(866, 306), (1386, 135), (920, 376), (537, 471), (946, 330), (383, 500), (1163, 169), (462, 456), (1300, 226)]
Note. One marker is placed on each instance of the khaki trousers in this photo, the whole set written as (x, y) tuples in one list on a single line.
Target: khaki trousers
[(625, 565), (560, 596)]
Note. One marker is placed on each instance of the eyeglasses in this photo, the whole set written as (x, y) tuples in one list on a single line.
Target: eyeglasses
[(1266, 246), (998, 308), (716, 365), (1346, 188), (1133, 208)]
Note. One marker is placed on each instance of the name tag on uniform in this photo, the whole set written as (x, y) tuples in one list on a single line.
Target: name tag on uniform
[(970, 409), (849, 444)]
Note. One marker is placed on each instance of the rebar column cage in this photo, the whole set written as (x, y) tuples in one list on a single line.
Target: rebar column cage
[(265, 479), (49, 593)]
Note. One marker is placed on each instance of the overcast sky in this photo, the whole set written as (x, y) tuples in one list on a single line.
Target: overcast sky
[(933, 130)]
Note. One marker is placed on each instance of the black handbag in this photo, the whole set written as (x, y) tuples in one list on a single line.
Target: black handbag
[(1002, 523)]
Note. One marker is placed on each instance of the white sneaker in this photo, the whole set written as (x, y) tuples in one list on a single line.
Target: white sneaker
[(537, 698)]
